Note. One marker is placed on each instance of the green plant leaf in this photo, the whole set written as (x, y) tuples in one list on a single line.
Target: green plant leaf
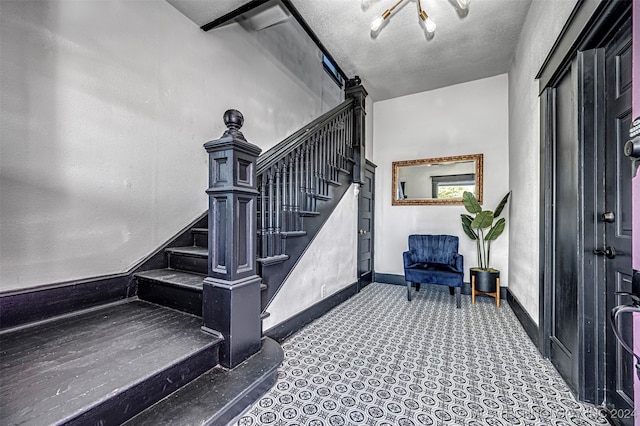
[(484, 219), (496, 231), (466, 226), (470, 202), (466, 219), (501, 204)]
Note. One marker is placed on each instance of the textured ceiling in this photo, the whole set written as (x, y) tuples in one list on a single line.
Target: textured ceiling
[(402, 58)]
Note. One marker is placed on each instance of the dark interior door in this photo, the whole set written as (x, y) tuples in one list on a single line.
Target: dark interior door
[(585, 188), (366, 226), (564, 284), (617, 228)]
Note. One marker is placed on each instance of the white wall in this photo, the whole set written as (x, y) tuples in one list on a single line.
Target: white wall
[(468, 118), (329, 261), (542, 27), (105, 106)]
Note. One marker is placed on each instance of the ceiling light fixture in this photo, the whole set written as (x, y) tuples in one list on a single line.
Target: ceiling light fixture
[(429, 24)]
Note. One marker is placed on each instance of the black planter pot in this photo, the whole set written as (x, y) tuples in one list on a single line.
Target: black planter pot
[(485, 280)]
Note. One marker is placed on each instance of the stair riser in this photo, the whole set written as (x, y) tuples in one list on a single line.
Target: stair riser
[(219, 395), (188, 263), (132, 401), (201, 240), (182, 299), (251, 397)]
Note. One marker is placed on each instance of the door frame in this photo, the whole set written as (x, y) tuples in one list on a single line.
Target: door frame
[(590, 27)]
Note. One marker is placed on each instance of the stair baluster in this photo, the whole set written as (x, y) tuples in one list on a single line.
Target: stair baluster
[(292, 219), (298, 190), (263, 217), (314, 172), (277, 206), (270, 215), (286, 203), (308, 174)]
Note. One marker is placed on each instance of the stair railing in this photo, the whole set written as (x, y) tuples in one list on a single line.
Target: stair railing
[(296, 173), (285, 184)]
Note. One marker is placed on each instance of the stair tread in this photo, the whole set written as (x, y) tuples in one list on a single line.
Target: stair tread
[(272, 260), (83, 363), (194, 251), (308, 213), (199, 230), (289, 234), (219, 395), (174, 277)]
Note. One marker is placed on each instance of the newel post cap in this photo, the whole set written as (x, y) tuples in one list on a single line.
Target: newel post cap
[(234, 120)]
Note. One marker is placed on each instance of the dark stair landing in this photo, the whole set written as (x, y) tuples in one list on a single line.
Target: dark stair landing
[(100, 367)]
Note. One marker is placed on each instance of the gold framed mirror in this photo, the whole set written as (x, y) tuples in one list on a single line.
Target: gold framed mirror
[(436, 181)]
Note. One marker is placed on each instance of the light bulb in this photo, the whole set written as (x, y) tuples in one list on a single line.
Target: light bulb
[(375, 25), (463, 3), (430, 25)]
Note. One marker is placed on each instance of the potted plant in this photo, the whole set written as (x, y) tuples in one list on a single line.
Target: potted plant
[(479, 226)]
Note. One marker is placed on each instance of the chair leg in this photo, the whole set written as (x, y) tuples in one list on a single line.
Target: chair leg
[(417, 286), (451, 290), (473, 289), (408, 291), (458, 291)]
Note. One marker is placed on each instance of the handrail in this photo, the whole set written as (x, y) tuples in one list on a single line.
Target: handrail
[(282, 149), (295, 174)]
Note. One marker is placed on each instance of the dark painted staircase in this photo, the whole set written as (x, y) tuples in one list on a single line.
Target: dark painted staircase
[(300, 182), (155, 358)]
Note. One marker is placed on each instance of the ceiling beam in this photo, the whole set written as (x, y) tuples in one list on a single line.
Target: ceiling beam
[(233, 14), (294, 12)]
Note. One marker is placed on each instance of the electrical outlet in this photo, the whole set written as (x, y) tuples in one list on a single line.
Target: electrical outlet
[(323, 290)]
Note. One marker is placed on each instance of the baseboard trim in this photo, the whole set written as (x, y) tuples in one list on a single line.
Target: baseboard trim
[(389, 278), (396, 279), (285, 329), (523, 316), (39, 304)]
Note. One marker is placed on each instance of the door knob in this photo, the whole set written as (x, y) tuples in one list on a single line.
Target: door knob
[(608, 217), (362, 232), (608, 251)]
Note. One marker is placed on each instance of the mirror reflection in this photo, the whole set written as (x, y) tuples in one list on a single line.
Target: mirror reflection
[(437, 180)]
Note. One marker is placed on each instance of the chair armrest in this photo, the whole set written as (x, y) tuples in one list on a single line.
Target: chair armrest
[(406, 257), (459, 262)]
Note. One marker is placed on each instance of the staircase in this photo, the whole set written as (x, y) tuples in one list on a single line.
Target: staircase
[(300, 181), (178, 284), (145, 360)]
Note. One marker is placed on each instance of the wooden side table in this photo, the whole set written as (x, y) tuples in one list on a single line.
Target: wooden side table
[(495, 295)]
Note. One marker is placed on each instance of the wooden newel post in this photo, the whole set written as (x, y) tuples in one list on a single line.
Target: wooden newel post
[(231, 292), (354, 89)]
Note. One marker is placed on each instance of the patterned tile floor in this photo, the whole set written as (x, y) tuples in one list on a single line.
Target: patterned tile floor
[(378, 359)]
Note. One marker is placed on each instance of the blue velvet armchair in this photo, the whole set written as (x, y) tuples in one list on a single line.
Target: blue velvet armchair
[(434, 259)]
